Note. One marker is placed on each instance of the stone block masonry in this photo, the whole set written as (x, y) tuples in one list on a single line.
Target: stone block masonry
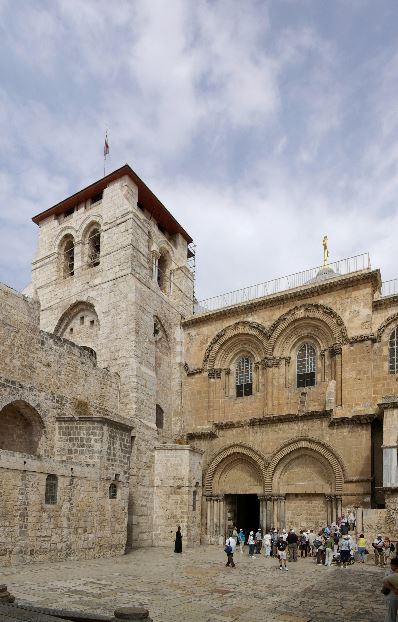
[(63, 445)]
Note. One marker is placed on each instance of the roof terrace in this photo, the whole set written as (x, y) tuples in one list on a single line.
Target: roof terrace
[(350, 265)]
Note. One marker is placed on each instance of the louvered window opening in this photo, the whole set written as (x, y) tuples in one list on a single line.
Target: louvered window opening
[(69, 258), (244, 377), (393, 352), (94, 247), (306, 366)]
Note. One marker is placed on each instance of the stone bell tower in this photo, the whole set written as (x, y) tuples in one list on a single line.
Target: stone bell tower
[(111, 274)]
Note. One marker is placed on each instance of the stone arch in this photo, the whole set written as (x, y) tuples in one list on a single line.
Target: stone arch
[(80, 324), (314, 314), (246, 335), (91, 242), (326, 454), (384, 325), (234, 453), (21, 428)]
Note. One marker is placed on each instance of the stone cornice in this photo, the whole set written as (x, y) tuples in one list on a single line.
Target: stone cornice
[(275, 419), (385, 301), (300, 293), (108, 420), (388, 401), (359, 338)]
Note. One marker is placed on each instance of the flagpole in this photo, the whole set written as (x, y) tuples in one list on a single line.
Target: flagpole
[(106, 149)]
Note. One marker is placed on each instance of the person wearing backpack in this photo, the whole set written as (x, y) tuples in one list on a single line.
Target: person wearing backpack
[(229, 549), (329, 546), (303, 544)]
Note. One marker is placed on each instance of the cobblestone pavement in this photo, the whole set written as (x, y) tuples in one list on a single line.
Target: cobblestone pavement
[(197, 587)]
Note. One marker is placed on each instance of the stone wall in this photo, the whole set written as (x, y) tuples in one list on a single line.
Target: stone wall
[(177, 494), (58, 417)]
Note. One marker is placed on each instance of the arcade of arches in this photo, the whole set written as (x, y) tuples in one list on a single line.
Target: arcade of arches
[(299, 487)]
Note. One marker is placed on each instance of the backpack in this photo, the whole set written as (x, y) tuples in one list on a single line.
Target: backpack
[(228, 549), (317, 543)]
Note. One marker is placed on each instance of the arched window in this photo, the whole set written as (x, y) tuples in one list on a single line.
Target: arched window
[(306, 366), (68, 256), (244, 377), (113, 491), (51, 493), (159, 417), (393, 351), (94, 247)]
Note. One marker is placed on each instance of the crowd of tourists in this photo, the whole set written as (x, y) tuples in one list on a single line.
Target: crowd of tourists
[(332, 544)]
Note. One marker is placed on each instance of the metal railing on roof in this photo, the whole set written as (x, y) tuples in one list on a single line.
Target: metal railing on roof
[(389, 288), (275, 286)]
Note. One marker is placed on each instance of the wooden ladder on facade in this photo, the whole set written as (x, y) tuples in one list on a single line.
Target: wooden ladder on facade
[(302, 407)]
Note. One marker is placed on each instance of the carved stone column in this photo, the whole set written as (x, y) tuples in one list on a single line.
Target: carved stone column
[(274, 500), (209, 516), (339, 505), (336, 352), (221, 516), (268, 513), (328, 509), (263, 512), (287, 371), (282, 512)]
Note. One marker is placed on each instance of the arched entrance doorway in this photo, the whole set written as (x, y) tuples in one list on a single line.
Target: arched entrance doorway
[(307, 479), (234, 488)]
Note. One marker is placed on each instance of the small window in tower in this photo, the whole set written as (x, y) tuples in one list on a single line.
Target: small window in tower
[(92, 322), (82, 319), (159, 417), (194, 497), (113, 491), (51, 492), (71, 330)]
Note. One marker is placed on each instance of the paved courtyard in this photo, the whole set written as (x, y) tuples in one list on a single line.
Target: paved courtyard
[(197, 587)]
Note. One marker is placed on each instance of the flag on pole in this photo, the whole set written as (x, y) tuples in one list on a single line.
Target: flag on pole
[(106, 145)]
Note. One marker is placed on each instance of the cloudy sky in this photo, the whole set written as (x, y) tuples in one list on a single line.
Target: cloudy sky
[(261, 125)]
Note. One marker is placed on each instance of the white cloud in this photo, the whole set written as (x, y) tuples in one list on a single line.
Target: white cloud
[(257, 136)]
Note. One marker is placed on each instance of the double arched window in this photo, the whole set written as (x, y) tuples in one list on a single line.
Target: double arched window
[(244, 377), (393, 352), (306, 366)]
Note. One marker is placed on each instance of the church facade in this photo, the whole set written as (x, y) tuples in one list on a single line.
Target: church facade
[(128, 408)]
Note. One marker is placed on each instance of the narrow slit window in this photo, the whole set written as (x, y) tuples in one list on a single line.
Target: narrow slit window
[(113, 491), (393, 351), (306, 366), (244, 377), (51, 493)]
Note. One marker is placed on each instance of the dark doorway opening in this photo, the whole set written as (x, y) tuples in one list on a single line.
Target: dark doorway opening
[(247, 513)]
